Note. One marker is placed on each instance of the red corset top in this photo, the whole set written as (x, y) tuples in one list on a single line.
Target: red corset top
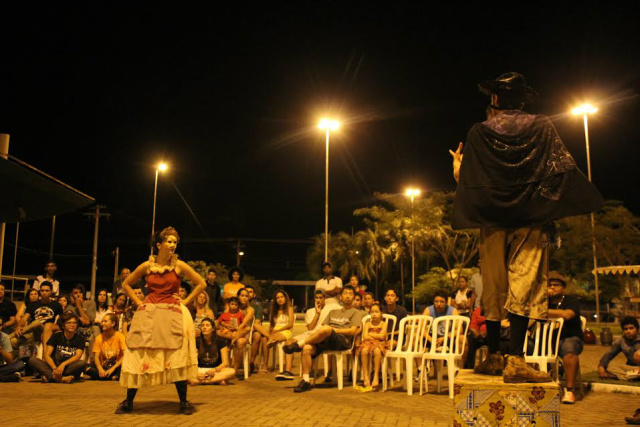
[(162, 287)]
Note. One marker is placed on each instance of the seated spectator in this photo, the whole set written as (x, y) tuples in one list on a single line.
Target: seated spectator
[(49, 272), (464, 299), (8, 312), (117, 286), (62, 355), (357, 301), (629, 345), (9, 365), (374, 342), (248, 314), (213, 356), (339, 328), (63, 300), (118, 308), (38, 320), (31, 295), (259, 331), (202, 310), (437, 309), (230, 321), (313, 319), (367, 301), (108, 351), (281, 320), (127, 317), (102, 308), (392, 307), (571, 338), (86, 312)]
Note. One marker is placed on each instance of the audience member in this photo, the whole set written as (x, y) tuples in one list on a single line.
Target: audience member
[(355, 282), (357, 301), (63, 300), (374, 342), (213, 356), (392, 307), (477, 336), (331, 285), (117, 286), (464, 299), (259, 331), (437, 309), (339, 328), (8, 312), (86, 312), (102, 308), (118, 308), (571, 338), (367, 301), (108, 351), (202, 310), (43, 314), (127, 317), (232, 287), (31, 295), (244, 329), (10, 367), (48, 276), (281, 320), (476, 284), (213, 291), (629, 345), (230, 321), (62, 355)]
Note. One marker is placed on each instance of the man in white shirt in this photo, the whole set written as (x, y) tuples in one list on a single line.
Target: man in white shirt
[(331, 285), (49, 270)]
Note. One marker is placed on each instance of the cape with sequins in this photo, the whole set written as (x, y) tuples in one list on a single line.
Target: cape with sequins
[(516, 172)]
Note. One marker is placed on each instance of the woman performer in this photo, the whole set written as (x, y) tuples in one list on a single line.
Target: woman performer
[(161, 340)]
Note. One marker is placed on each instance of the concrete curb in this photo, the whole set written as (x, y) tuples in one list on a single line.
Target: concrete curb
[(614, 388)]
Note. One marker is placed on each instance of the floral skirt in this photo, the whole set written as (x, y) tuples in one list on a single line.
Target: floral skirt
[(370, 346), (147, 367)]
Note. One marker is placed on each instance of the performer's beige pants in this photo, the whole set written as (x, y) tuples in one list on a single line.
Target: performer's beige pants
[(513, 266)]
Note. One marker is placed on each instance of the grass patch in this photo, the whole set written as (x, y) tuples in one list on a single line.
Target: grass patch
[(592, 377)]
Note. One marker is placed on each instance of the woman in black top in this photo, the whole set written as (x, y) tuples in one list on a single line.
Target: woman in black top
[(213, 356)]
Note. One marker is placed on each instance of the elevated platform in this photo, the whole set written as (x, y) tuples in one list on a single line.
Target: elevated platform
[(483, 401)]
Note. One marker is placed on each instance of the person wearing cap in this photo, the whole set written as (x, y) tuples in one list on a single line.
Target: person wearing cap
[(331, 285), (515, 177), (571, 338)]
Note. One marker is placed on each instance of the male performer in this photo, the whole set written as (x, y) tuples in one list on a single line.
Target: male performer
[(517, 177)]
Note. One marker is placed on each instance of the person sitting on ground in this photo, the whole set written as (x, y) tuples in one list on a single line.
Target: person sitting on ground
[(313, 319), (374, 342), (230, 321), (63, 300), (102, 308), (48, 276), (464, 299), (331, 285), (232, 287), (43, 313), (213, 356), (127, 317), (10, 366), (259, 330), (357, 301), (8, 312), (392, 307), (571, 338), (281, 320), (108, 351), (202, 310), (62, 355), (367, 301), (86, 312), (339, 328), (629, 345), (30, 296)]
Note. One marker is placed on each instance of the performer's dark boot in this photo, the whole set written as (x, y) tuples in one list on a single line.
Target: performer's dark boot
[(494, 363), (517, 371), (185, 406), (126, 405)]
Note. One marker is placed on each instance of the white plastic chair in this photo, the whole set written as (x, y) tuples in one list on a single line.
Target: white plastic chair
[(411, 345), (545, 349), (391, 324), (453, 345), (583, 323), (246, 357), (339, 355)]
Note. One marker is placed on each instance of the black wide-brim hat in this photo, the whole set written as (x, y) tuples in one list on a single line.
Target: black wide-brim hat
[(233, 270), (509, 83)]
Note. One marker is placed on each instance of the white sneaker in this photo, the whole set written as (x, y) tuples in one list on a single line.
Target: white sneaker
[(569, 398)]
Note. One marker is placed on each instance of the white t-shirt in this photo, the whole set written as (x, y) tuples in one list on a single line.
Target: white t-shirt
[(311, 313), (54, 282), (330, 285)]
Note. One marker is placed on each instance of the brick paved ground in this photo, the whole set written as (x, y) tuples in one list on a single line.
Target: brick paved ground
[(261, 401)]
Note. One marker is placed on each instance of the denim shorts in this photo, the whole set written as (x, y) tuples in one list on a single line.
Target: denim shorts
[(573, 345)]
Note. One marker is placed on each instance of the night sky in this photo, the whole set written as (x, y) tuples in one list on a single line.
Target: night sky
[(231, 99)]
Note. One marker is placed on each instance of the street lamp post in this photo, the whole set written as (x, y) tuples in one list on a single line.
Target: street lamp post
[(412, 193), (584, 110), (327, 125), (160, 167)]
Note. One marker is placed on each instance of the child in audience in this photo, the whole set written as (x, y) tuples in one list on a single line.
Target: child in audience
[(374, 337), (213, 356), (108, 351), (231, 320)]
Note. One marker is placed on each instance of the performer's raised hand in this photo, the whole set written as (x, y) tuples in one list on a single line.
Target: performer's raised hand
[(457, 161)]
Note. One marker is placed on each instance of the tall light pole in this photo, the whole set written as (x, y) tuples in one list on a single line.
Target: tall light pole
[(584, 110), (160, 167), (327, 125), (412, 193)]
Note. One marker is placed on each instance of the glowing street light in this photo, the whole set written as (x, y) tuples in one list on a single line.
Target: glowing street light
[(327, 125), (584, 110), (412, 193), (160, 167)]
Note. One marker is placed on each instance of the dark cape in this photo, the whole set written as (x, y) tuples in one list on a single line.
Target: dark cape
[(516, 172)]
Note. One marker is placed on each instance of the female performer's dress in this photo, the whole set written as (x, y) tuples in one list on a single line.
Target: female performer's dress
[(161, 341)]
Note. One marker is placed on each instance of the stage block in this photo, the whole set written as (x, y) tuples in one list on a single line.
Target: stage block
[(483, 401)]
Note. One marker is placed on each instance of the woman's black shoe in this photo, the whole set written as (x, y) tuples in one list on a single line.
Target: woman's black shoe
[(124, 407), (186, 408)]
